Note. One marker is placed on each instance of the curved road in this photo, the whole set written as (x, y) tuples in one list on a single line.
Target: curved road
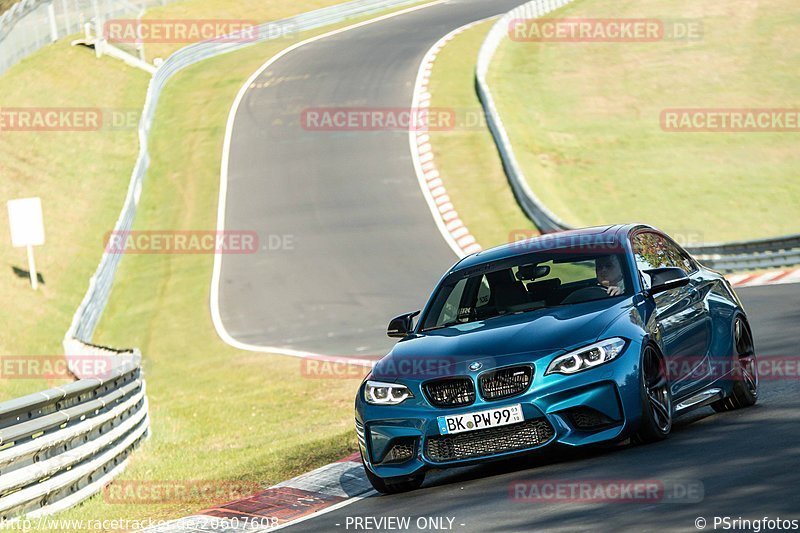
[(362, 245), (747, 462), (365, 248)]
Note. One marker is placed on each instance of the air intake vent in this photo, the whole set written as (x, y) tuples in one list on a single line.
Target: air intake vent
[(451, 392), (487, 442), (505, 382), (402, 450), (588, 419), (360, 434)]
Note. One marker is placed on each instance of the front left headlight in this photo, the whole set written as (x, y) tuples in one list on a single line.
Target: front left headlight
[(378, 393), (587, 357)]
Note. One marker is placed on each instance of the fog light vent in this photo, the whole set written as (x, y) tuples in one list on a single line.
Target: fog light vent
[(401, 451), (588, 419)]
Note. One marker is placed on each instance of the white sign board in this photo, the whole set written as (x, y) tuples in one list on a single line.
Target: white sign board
[(25, 221)]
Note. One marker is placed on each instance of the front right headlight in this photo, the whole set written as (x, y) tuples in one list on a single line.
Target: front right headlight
[(587, 357), (379, 393)]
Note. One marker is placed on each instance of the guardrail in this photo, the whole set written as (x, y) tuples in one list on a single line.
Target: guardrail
[(727, 257), (88, 313), (750, 255), (32, 24), (60, 446), (544, 219)]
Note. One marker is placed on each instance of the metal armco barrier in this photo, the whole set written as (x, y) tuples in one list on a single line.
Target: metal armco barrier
[(750, 255), (727, 257), (545, 220), (62, 445), (33, 24)]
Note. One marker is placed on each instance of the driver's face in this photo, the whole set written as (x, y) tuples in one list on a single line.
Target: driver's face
[(608, 270)]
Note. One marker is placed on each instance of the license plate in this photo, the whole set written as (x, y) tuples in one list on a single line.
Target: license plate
[(490, 418)]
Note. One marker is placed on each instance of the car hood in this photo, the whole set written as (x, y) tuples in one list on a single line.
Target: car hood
[(499, 341)]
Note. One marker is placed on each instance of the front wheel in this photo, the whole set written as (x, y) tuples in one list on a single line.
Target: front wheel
[(656, 421), (394, 485), (745, 371)]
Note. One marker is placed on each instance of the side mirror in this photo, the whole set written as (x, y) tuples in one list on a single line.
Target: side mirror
[(402, 325), (665, 279)]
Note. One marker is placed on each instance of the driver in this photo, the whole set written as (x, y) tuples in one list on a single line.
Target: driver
[(609, 274)]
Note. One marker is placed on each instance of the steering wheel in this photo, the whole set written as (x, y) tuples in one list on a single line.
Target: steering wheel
[(595, 292)]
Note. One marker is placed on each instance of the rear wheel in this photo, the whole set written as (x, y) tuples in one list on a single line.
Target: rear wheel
[(745, 372), (656, 420), (394, 485)]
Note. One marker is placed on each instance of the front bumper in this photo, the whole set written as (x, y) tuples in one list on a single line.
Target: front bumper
[(598, 405)]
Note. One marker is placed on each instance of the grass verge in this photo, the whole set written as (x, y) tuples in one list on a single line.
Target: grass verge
[(584, 119), (218, 414), (81, 178), (221, 10), (466, 156)]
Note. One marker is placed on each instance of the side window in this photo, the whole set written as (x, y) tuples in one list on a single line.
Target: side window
[(449, 312), (484, 294), (689, 264), (653, 251)]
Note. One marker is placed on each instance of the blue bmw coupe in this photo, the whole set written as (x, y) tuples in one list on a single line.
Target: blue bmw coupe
[(575, 338)]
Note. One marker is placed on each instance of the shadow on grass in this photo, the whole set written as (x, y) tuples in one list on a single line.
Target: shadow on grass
[(22, 273)]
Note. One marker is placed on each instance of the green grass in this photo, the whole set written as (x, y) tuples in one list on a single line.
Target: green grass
[(466, 156), (245, 10), (584, 120), (217, 413), (80, 176)]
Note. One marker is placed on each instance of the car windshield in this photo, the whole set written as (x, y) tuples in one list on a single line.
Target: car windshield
[(526, 283)]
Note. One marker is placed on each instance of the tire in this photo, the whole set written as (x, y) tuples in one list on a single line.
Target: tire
[(394, 485), (656, 419), (745, 371)]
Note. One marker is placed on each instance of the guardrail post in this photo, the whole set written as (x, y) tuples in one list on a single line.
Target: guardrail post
[(51, 12)]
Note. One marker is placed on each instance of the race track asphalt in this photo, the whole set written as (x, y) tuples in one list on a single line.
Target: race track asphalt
[(350, 240), (364, 248), (747, 462)]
